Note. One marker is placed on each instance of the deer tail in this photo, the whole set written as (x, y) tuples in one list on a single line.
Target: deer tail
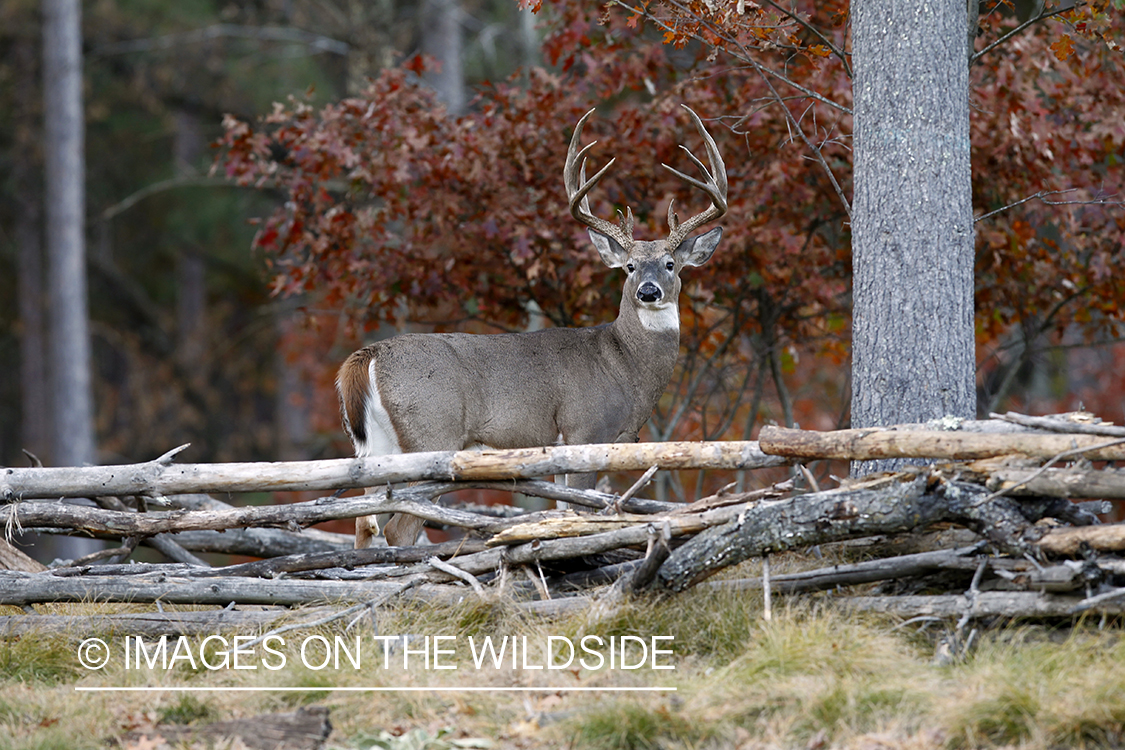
[(353, 384)]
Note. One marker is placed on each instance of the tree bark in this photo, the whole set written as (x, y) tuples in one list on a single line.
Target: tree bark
[(441, 40), (894, 506), (162, 477), (912, 224), (875, 443), (65, 199)]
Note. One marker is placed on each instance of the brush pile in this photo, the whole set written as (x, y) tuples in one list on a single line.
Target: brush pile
[(1013, 502)]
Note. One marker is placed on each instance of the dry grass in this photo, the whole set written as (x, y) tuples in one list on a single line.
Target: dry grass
[(811, 678)]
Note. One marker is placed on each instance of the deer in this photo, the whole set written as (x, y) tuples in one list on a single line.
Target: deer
[(572, 386)]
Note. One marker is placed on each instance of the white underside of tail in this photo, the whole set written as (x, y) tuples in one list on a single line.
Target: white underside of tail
[(381, 437), (663, 318)]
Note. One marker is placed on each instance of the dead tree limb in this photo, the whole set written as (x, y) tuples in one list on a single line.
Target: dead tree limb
[(1109, 538), (1062, 423), (899, 504), (148, 624), (161, 477), (1028, 604), (877, 443), (32, 588)]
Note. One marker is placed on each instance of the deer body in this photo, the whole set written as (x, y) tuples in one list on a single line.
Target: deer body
[(452, 391)]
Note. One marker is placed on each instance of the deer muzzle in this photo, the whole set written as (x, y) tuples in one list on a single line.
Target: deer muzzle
[(649, 292)]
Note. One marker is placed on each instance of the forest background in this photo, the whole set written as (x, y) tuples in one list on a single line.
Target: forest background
[(410, 179)]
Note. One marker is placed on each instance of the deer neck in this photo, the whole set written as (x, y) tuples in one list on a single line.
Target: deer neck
[(651, 339)]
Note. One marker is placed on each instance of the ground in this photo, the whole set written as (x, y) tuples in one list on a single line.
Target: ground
[(812, 677)]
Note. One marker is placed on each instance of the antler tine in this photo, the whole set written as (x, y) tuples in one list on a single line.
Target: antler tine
[(578, 189), (714, 184)]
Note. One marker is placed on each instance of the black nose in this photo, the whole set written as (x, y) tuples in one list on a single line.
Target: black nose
[(649, 292)]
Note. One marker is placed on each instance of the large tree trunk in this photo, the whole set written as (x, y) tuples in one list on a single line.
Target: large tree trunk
[(912, 223)]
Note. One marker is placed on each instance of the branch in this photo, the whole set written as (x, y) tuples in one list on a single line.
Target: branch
[(288, 34), (1018, 29), (1042, 196)]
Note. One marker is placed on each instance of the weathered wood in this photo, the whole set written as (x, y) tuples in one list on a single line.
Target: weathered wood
[(148, 624), (877, 443), (32, 588), (894, 505), (161, 477), (985, 604), (1072, 422), (1070, 482), (852, 574), (93, 521), (349, 559), (304, 729), (12, 558), (1108, 538)]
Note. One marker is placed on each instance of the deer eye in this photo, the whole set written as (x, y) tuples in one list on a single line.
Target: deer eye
[(670, 266), (630, 268)]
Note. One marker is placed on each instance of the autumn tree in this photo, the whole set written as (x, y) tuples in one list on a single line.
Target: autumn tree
[(396, 212)]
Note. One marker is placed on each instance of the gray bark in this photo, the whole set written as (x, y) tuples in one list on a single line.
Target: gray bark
[(442, 40), (162, 477), (66, 241), (69, 358), (912, 223)]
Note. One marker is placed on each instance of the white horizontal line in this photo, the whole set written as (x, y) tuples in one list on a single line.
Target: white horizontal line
[(540, 689)]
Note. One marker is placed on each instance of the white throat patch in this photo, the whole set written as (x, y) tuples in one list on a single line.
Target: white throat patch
[(663, 318)]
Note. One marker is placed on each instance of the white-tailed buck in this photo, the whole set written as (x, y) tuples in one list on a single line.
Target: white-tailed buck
[(451, 391)]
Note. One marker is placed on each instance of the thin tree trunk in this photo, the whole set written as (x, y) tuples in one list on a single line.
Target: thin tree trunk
[(35, 427), (441, 40), (912, 224), (66, 242)]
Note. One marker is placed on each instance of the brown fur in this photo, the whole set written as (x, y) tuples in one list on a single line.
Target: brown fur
[(353, 382)]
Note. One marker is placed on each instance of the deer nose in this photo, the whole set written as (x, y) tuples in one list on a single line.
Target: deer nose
[(649, 292)]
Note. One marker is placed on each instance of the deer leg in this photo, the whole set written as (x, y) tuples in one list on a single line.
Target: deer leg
[(366, 529)]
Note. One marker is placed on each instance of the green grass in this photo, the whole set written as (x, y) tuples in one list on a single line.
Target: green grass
[(811, 676)]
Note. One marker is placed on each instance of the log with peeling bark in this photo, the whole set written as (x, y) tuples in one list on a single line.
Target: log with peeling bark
[(162, 477), (875, 443), (896, 504)]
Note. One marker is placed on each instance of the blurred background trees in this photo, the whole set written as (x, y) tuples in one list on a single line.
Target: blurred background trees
[(410, 177)]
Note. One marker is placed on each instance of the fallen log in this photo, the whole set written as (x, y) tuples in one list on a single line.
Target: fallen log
[(1028, 604), (162, 477), (1109, 538), (33, 588), (893, 505), (875, 443), (148, 624), (1107, 484)]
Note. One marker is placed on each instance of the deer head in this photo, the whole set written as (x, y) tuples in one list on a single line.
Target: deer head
[(653, 266)]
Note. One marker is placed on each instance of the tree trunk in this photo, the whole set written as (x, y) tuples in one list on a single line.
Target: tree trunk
[(441, 40), (912, 223), (66, 243), (35, 427)]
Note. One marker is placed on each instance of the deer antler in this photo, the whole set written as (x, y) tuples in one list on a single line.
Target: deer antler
[(578, 188), (714, 184)]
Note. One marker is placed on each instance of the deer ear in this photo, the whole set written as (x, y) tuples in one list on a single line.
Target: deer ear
[(697, 250), (613, 255)]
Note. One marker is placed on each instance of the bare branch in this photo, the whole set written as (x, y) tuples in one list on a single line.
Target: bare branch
[(1042, 16)]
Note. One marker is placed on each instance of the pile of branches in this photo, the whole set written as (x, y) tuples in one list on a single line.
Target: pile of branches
[(1011, 482)]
